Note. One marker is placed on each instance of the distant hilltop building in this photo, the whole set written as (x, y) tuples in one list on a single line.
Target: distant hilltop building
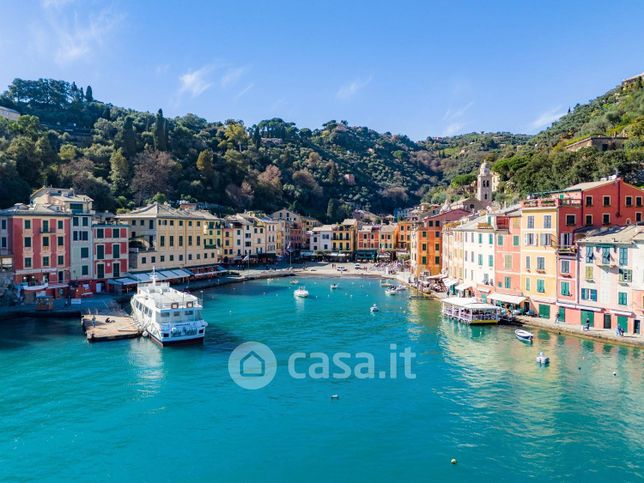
[(600, 143), (484, 184), (632, 81), (10, 114)]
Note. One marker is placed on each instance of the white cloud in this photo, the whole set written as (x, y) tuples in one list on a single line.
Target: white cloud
[(547, 118), (453, 117), (67, 36), (195, 82), (349, 90), (232, 75), (245, 90)]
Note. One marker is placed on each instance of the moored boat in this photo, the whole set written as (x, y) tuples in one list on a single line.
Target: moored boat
[(374, 308), (301, 293), (334, 286), (294, 282), (391, 291), (169, 317), (543, 359), (470, 311), (523, 335)]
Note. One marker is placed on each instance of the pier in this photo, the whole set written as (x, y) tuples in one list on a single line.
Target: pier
[(98, 329)]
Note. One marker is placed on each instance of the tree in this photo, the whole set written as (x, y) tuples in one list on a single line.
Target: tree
[(205, 163), (89, 95), (126, 138), (119, 172), (332, 210), (257, 137), (21, 151), (153, 173), (160, 132)]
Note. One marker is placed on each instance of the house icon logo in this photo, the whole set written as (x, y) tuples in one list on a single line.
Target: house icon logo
[(252, 365)]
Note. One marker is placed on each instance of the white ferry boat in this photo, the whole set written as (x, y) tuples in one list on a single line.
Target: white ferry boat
[(169, 316)]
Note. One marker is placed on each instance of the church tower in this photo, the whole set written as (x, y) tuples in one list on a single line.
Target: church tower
[(484, 184)]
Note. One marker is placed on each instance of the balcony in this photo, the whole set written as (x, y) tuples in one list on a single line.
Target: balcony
[(550, 203), (566, 249)]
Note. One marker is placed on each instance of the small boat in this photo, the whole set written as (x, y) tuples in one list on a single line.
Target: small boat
[(543, 359), (391, 291), (524, 335), (294, 282), (301, 293), (334, 286), (400, 288), (386, 284), (374, 308)]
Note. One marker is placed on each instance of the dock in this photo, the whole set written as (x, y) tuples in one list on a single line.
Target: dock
[(98, 329)]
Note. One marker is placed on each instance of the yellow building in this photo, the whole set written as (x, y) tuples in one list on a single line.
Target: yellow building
[(163, 237), (539, 223), (344, 237)]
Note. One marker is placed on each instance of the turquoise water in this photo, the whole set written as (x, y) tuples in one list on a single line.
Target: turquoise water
[(129, 410)]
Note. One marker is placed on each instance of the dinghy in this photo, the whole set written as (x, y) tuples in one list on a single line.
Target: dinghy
[(524, 335)]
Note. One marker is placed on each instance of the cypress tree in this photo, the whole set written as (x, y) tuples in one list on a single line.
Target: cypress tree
[(160, 132)]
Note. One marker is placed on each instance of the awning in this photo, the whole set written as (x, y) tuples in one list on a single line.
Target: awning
[(464, 286), (508, 299), (123, 281), (484, 289), (625, 313), (449, 282)]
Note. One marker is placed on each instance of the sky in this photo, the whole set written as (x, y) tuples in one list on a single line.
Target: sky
[(420, 68)]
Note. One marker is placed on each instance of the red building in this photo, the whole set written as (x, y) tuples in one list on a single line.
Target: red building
[(507, 258), (37, 238), (110, 253)]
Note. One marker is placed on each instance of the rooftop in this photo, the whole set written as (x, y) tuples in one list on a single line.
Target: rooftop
[(614, 234)]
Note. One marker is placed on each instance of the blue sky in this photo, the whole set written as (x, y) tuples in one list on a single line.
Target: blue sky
[(418, 68)]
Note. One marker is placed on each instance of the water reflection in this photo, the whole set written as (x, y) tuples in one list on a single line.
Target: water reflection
[(147, 359)]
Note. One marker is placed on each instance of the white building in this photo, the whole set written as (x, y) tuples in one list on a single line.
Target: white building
[(320, 239), (478, 254)]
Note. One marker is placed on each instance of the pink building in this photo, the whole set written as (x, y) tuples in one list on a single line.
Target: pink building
[(507, 260), (37, 238), (110, 252)]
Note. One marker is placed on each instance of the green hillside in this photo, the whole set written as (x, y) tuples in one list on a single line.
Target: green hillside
[(123, 158)]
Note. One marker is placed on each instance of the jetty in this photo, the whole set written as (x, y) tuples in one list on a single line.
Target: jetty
[(102, 328)]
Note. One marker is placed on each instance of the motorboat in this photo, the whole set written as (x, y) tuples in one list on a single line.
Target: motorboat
[(334, 286), (374, 308), (384, 283), (301, 293), (391, 291), (523, 335), (400, 288), (294, 282), (543, 359)]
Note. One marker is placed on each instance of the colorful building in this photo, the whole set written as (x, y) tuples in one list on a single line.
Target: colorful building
[(109, 253), (608, 293), (507, 259)]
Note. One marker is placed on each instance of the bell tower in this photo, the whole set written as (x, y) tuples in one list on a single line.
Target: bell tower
[(484, 184)]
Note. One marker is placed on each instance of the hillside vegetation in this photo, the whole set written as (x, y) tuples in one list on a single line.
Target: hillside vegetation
[(123, 158), (544, 164)]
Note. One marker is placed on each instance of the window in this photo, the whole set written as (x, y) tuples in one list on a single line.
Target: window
[(541, 286), (99, 233), (27, 224), (481, 260), (27, 242), (565, 266), (85, 221), (622, 298), (527, 284), (61, 241), (571, 220), (606, 218), (61, 260), (480, 238), (45, 241), (144, 260), (507, 262), (171, 240), (84, 252), (515, 240), (589, 254), (116, 251), (625, 275), (544, 239), (541, 263), (589, 201), (589, 220), (589, 274), (527, 263), (85, 270), (547, 221), (638, 217), (605, 255), (606, 200), (45, 261), (490, 260), (506, 282), (530, 221), (629, 201), (565, 288), (499, 240), (45, 226), (27, 262), (638, 201), (100, 252), (162, 240), (60, 224), (589, 294), (623, 256), (491, 239), (530, 239)]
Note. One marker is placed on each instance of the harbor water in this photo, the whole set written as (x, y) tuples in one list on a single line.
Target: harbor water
[(132, 411)]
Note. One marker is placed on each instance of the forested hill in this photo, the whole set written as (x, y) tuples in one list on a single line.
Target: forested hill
[(123, 158), (544, 163)]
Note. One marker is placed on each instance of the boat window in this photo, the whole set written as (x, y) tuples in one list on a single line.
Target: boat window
[(188, 312), (165, 314), (165, 335), (177, 314)]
